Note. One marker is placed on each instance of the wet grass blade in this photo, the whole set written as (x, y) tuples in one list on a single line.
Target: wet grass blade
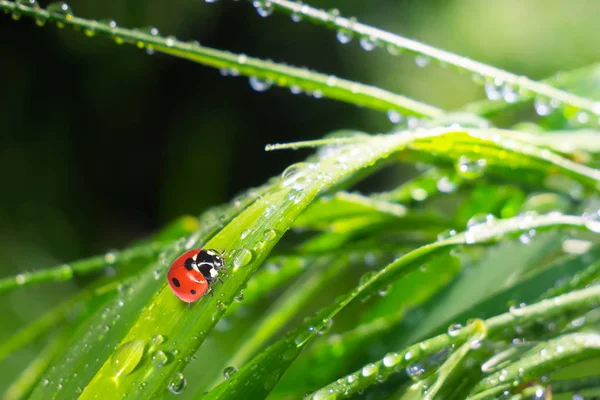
[(272, 363)]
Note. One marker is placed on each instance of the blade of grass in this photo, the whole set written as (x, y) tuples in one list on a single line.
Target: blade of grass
[(95, 340), (22, 387), (267, 219), (542, 359), (521, 86), (276, 359), (270, 72), (330, 356), (545, 310)]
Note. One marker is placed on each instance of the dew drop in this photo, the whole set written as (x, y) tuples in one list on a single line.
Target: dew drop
[(445, 185), (470, 169), (344, 35), (391, 359), (422, 61), (295, 89), (296, 16), (542, 106), (369, 369), (127, 357), (296, 175), (159, 358), (245, 233), (326, 327), (491, 91), (394, 116), (177, 384), (270, 235), (158, 340), (264, 8), (239, 298), (241, 258), (228, 372), (454, 329), (592, 220), (367, 43), (446, 234), (415, 371), (60, 8), (258, 84), (110, 257)]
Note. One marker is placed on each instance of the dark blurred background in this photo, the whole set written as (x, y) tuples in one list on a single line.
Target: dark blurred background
[(102, 144)]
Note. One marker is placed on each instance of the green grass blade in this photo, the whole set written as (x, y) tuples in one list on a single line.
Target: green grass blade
[(266, 72), (95, 340), (542, 359), (276, 359), (29, 378), (580, 301), (186, 328), (520, 86)]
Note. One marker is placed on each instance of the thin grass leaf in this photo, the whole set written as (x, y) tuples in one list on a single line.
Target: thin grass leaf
[(330, 356), (276, 359), (502, 81), (580, 301), (542, 359), (263, 73), (570, 81), (96, 339), (22, 387), (186, 328), (287, 306)]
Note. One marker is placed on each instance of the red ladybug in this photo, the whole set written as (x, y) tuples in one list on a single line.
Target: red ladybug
[(192, 273)]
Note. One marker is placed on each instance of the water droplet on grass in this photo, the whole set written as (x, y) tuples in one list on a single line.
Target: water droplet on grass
[(228, 372), (177, 384), (241, 258), (369, 369), (394, 116), (454, 329), (469, 168), (367, 43), (159, 358), (259, 85), (127, 357), (264, 8), (157, 340)]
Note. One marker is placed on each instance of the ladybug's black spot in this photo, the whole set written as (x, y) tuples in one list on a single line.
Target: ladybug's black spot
[(175, 282), (189, 264), (192, 291)]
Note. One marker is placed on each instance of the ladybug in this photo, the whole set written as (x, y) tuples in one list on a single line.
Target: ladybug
[(192, 273)]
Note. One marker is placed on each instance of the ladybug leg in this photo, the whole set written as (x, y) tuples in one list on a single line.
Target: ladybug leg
[(211, 292), (220, 280)]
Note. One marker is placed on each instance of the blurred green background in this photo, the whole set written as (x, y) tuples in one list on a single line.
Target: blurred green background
[(103, 144)]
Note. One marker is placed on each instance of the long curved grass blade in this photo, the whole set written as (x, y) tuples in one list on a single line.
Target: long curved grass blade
[(329, 356), (186, 328), (67, 310), (80, 268), (495, 146), (518, 86), (22, 387), (276, 359), (95, 340), (143, 251), (579, 301), (288, 305), (542, 359), (263, 72), (568, 80)]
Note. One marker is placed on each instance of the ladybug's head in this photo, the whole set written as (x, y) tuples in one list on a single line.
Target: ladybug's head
[(209, 263)]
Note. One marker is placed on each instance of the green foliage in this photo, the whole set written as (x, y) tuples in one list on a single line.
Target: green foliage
[(392, 269)]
